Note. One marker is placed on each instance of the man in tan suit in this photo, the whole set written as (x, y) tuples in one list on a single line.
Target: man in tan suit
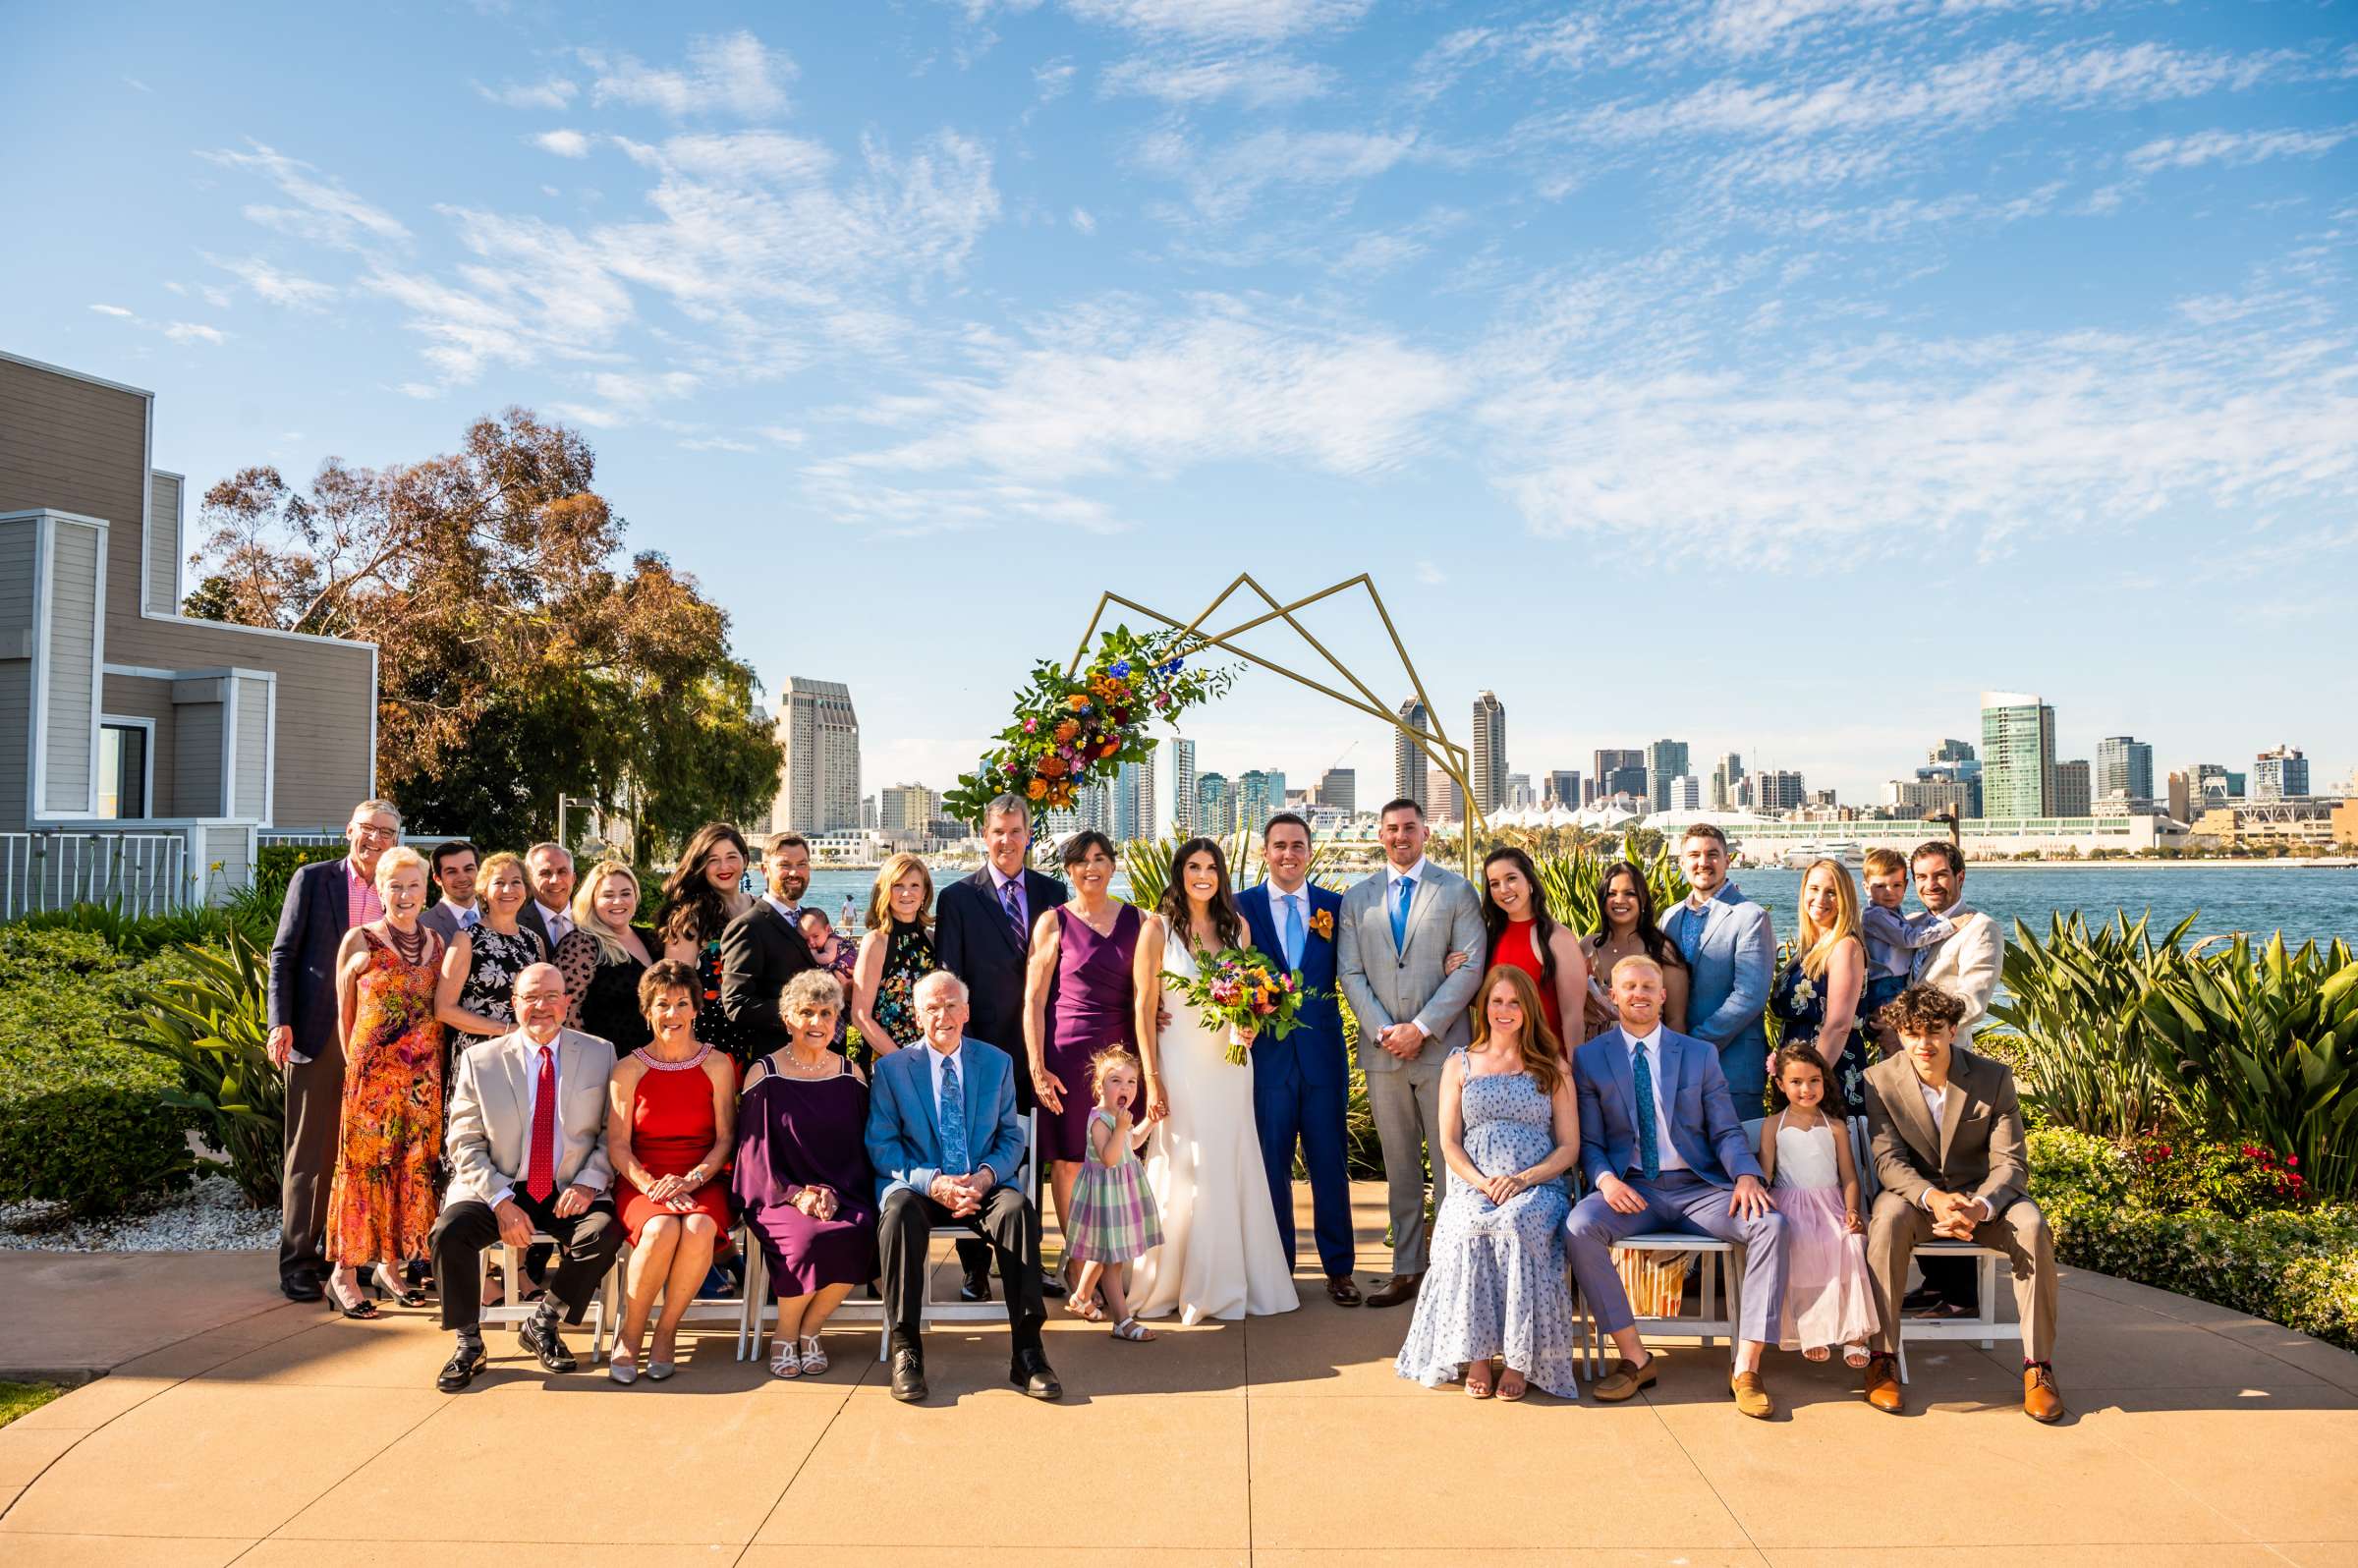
[(1966, 965), (525, 1138), (1948, 1150)]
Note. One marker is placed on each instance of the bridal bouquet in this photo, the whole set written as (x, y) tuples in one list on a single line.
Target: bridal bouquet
[(1240, 989)]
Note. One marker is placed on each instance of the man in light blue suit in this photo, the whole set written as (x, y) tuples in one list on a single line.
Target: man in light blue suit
[(947, 1150), (1302, 1084), (1664, 1150), (1731, 962)]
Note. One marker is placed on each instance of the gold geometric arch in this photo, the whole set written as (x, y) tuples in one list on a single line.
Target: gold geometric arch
[(1446, 753)]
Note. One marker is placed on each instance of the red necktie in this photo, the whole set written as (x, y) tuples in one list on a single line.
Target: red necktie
[(540, 1164)]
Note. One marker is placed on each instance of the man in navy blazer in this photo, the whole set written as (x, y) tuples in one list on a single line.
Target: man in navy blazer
[(325, 900), (1730, 951), (1302, 1084), (948, 1150), (1664, 1150)]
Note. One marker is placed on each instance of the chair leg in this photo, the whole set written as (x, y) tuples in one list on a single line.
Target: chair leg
[(1733, 1285), (1990, 1299), (1902, 1343)]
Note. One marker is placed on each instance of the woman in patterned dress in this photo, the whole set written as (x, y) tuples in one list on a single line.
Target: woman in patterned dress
[(1816, 994), (603, 957), (382, 1203), (478, 995), (1510, 1129), (896, 953), (703, 895)]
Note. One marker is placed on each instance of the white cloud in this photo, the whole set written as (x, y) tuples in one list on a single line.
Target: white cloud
[(1430, 575), (1082, 221), (1255, 80), (326, 212), (717, 443), (110, 310), (1055, 79), (137, 85), (419, 389), (556, 93), (734, 75), (2235, 148), (1223, 183), (273, 286), (193, 332), (782, 435), (564, 143), (1259, 20)]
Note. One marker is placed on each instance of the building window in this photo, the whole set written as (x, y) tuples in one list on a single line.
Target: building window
[(122, 770)]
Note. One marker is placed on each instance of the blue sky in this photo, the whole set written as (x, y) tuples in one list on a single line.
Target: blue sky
[(1772, 374)]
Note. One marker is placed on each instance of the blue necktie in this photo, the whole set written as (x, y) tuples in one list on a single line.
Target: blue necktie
[(1690, 932), (954, 1160), (1010, 901), (1640, 1078), (1293, 930), (1405, 889)]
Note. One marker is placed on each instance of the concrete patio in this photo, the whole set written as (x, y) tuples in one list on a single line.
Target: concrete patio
[(236, 1428)]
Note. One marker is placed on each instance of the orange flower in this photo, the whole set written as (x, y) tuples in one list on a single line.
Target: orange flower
[(1322, 922), (1068, 729), (1036, 790), (1051, 768), (1077, 702), (1109, 748)]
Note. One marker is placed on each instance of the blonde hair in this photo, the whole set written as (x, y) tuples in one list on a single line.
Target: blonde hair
[(879, 899), (1113, 1058), (586, 916), (1633, 960), (1817, 943), (1880, 862), (489, 870), (393, 860)]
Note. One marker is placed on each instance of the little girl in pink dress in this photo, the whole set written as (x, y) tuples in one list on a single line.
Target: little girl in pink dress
[(1829, 1296)]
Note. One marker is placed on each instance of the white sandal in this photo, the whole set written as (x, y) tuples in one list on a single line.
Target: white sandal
[(783, 1362), (814, 1357), (1132, 1331)]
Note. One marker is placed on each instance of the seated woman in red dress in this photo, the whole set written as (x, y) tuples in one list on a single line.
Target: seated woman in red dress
[(670, 1120)]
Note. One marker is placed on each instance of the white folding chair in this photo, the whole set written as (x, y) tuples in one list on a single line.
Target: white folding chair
[(760, 1309), (1984, 1326), (928, 1311), (605, 1308)]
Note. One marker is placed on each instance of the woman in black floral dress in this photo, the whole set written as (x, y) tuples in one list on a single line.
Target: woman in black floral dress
[(701, 896), (476, 998), (896, 953), (1817, 993)]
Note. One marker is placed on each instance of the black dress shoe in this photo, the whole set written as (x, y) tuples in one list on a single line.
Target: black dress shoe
[(909, 1377), (303, 1286), (1030, 1371), (1052, 1286), (540, 1337), (975, 1287), (460, 1369)]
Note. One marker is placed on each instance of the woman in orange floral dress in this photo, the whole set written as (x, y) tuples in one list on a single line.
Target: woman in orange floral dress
[(382, 1204)]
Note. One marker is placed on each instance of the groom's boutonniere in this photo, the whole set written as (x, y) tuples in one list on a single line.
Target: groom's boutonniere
[(1322, 923)]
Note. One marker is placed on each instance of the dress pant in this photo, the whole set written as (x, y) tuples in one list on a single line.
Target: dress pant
[(1287, 1105), (586, 1247), (1897, 1227), (1681, 1201), (314, 1135), (1007, 1221), (1407, 1107)]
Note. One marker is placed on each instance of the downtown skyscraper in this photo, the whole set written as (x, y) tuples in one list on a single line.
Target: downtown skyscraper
[(2018, 755), (1488, 776), (819, 779), (1409, 761)]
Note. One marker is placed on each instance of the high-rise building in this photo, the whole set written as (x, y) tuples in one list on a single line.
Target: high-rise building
[(1216, 805), (907, 809), (2181, 797), (2018, 756), (1339, 790), (1685, 794), (1131, 803), (1605, 761), (1488, 776), (1951, 752), (1726, 781), (2212, 782), (2075, 789), (1444, 801), (1409, 761), (1259, 796), (1776, 790), (1519, 796), (1563, 789), (2124, 765), (1179, 786), (2279, 773), (1665, 762), (819, 779), (1923, 796)]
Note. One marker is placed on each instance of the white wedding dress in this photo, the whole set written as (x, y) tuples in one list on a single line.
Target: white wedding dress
[(1220, 1255)]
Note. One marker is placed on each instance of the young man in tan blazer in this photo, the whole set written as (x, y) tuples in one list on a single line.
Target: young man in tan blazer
[(1950, 1152)]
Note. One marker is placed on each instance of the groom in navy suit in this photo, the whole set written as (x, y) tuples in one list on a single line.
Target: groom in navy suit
[(1302, 1084)]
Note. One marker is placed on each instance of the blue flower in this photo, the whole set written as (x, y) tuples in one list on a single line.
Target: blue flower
[(1121, 670)]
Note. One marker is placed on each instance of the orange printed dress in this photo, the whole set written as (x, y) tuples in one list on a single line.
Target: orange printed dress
[(383, 1202)]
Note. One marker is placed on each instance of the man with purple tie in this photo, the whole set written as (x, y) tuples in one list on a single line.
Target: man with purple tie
[(982, 934)]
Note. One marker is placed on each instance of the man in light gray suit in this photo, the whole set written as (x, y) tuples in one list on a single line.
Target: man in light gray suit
[(1400, 928)]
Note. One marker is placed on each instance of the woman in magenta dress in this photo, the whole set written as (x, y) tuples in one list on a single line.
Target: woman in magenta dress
[(1082, 952), (803, 1179)]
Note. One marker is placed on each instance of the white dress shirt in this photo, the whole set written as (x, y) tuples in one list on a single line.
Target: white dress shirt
[(1935, 1104), (532, 1104), (469, 916), (791, 913), (1650, 1046), (559, 924)]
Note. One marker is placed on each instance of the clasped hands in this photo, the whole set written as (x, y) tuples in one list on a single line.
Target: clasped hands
[(818, 1201), (1404, 1041), (1499, 1189), (961, 1194), (1954, 1214), (516, 1226), (677, 1192)]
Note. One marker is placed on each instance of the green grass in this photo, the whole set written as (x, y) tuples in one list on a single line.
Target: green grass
[(23, 1399)]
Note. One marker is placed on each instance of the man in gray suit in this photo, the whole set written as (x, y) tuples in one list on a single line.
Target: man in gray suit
[(1400, 928), (525, 1138), (458, 909)]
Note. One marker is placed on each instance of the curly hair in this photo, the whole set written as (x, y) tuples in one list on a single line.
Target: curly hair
[(694, 911), (1802, 1052), (1919, 1008)]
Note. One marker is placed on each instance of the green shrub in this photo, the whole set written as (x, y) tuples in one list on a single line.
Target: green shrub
[(2075, 1033), (276, 865), (213, 1027), (132, 935), (83, 1121)]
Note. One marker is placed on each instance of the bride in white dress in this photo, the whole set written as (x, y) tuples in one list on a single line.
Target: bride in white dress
[(1220, 1255)]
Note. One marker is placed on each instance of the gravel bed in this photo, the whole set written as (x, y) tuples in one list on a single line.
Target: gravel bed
[(210, 1216)]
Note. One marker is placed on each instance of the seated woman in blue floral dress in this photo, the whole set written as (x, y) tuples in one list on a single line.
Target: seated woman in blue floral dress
[(1495, 1286)]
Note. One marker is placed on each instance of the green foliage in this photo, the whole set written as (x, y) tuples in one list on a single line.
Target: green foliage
[(1572, 883), (23, 1399), (2072, 1009), (213, 1028), (131, 935), (83, 1122), (274, 867)]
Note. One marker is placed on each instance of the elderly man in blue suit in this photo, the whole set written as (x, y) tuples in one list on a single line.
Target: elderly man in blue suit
[(1731, 962), (1302, 1084), (947, 1150), (1664, 1151)]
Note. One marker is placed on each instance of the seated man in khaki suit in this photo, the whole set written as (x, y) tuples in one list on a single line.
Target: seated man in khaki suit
[(525, 1138), (1948, 1150)]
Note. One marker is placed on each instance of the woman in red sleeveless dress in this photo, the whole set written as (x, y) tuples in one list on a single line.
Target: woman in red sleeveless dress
[(670, 1117), (1515, 913)]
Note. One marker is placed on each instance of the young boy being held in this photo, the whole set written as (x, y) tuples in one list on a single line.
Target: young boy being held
[(1892, 938)]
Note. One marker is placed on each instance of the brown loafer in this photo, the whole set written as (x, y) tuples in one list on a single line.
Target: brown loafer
[(1399, 1288), (1883, 1384), (1342, 1290), (2041, 1400), (1751, 1396), (1626, 1378)]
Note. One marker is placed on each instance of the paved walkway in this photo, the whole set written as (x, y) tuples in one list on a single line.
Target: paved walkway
[(279, 1435)]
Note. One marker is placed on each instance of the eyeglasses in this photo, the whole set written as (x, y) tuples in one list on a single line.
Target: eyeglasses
[(371, 830)]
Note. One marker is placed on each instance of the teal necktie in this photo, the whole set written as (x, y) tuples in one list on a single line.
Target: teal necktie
[(1293, 930), (954, 1162), (1650, 1153), (1403, 890)]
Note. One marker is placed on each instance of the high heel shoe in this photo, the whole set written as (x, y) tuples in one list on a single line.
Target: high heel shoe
[(395, 1290), (623, 1365), (344, 1296)]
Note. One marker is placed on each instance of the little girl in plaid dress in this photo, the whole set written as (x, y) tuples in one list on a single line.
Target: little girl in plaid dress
[(1113, 1219)]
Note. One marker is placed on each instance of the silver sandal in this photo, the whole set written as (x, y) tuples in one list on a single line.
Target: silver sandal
[(815, 1356)]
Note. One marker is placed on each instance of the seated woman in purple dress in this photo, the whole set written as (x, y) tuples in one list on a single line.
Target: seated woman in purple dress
[(801, 1179)]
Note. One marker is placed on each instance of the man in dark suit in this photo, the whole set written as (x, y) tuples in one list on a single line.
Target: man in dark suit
[(1302, 1084), (982, 934), (453, 866), (325, 901), (763, 948), (548, 912)]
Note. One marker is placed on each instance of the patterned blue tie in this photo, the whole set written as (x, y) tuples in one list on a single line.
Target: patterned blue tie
[(1690, 932), (1010, 900), (1403, 890), (953, 1121), (1293, 930), (1640, 1078)]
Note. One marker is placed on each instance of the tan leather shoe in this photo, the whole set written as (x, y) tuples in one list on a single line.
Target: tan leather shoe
[(2041, 1401), (1396, 1290), (1883, 1384), (1751, 1396), (1626, 1378)]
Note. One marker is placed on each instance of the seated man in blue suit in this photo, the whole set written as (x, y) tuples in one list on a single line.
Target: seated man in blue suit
[(947, 1150), (1730, 951), (1664, 1151)]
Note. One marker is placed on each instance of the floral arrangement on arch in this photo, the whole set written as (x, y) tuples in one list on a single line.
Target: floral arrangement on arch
[(1072, 731)]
